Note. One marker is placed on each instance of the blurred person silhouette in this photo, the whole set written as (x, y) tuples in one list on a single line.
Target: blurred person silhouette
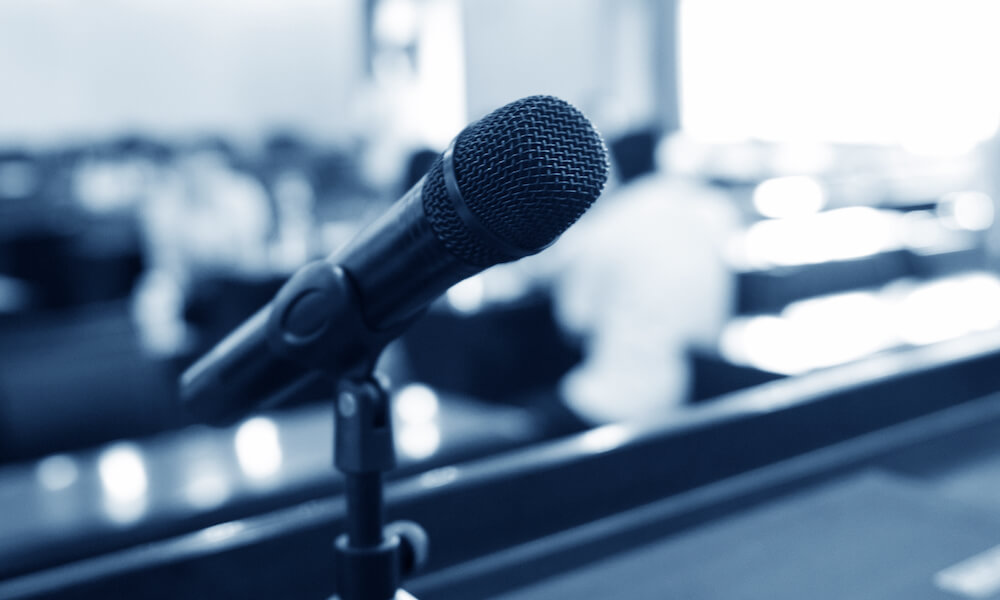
[(285, 171), (203, 218), (641, 280)]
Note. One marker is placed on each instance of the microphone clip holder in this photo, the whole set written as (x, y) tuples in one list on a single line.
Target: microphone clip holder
[(316, 322), (311, 315)]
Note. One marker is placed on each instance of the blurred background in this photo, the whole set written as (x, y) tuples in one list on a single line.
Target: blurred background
[(795, 187)]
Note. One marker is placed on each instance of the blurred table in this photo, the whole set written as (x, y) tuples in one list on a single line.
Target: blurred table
[(70, 506), (874, 479), (868, 535)]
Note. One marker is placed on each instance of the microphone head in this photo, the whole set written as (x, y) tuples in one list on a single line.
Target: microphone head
[(526, 171)]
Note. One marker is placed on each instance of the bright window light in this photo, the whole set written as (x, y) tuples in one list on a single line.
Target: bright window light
[(840, 328), (841, 234), (949, 308), (789, 197), (972, 211), (916, 74)]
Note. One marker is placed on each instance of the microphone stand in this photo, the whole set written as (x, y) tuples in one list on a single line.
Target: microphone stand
[(317, 306), (371, 559)]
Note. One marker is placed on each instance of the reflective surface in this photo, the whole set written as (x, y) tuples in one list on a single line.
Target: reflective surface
[(71, 505), (601, 491)]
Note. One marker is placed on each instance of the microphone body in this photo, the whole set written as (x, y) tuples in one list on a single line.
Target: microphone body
[(398, 264), (508, 186), (388, 275)]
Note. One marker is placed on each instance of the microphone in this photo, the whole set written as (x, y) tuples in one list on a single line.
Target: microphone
[(507, 187)]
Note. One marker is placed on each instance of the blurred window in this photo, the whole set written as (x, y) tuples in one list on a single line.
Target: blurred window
[(920, 74)]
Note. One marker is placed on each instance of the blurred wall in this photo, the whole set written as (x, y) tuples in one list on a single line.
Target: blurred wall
[(89, 68), (597, 54)]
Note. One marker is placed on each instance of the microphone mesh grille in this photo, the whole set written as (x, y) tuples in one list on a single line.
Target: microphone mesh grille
[(527, 171)]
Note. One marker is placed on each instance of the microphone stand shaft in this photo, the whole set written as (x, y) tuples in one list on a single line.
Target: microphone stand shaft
[(365, 508)]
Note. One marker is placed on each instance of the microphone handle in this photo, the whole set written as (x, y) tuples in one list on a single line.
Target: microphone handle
[(332, 317), (224, 383)]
